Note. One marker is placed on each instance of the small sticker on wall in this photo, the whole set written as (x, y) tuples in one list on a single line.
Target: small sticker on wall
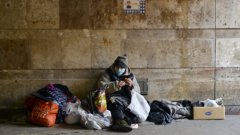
[(134, 6)]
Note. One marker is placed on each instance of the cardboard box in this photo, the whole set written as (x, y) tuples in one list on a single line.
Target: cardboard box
[(208, 113)]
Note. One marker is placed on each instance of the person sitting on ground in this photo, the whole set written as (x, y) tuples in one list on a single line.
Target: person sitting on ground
[(121, 84)]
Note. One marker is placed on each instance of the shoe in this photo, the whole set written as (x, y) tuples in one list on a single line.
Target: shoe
[(121, 126), (134, 126)]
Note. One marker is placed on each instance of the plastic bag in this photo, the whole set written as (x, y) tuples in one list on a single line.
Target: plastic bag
[(100, 101), (76, 114)]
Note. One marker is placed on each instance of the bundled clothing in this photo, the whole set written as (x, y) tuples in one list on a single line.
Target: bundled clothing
[(164, 111), (160, 113)]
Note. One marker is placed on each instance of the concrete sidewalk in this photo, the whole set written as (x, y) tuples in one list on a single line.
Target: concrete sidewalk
[(229, 126)]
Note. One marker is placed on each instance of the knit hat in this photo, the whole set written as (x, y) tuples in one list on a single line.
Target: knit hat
[(121, 61)]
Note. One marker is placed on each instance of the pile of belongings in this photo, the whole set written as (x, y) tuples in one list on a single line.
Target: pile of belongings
[(54, 103), (46, 105), (163, 112)]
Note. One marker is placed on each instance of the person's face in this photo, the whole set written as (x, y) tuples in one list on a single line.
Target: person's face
[(119, 70)]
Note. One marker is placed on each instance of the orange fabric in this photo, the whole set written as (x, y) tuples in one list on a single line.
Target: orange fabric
[(44, 113)]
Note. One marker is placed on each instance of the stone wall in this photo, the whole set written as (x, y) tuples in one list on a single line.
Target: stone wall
[(187, 49)]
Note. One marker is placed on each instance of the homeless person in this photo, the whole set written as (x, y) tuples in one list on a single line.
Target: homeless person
[(127, 106)]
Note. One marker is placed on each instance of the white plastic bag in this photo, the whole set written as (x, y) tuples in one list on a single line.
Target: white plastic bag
[(139, 106), (75, 114), (71, 110), (212, 103)]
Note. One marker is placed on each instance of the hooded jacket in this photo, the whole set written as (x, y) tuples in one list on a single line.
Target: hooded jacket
[(106, 79), (138, 104)]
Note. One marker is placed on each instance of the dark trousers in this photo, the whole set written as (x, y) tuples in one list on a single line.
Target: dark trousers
[(117, 111), (118, 107)]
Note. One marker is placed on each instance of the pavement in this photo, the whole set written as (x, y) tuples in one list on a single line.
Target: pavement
[(230, 126)]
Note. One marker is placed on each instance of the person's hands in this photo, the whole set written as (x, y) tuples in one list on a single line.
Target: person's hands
[(121, 83), (129, 82)]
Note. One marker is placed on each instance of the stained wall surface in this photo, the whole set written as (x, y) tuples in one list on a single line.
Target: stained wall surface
[(186, 49)]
